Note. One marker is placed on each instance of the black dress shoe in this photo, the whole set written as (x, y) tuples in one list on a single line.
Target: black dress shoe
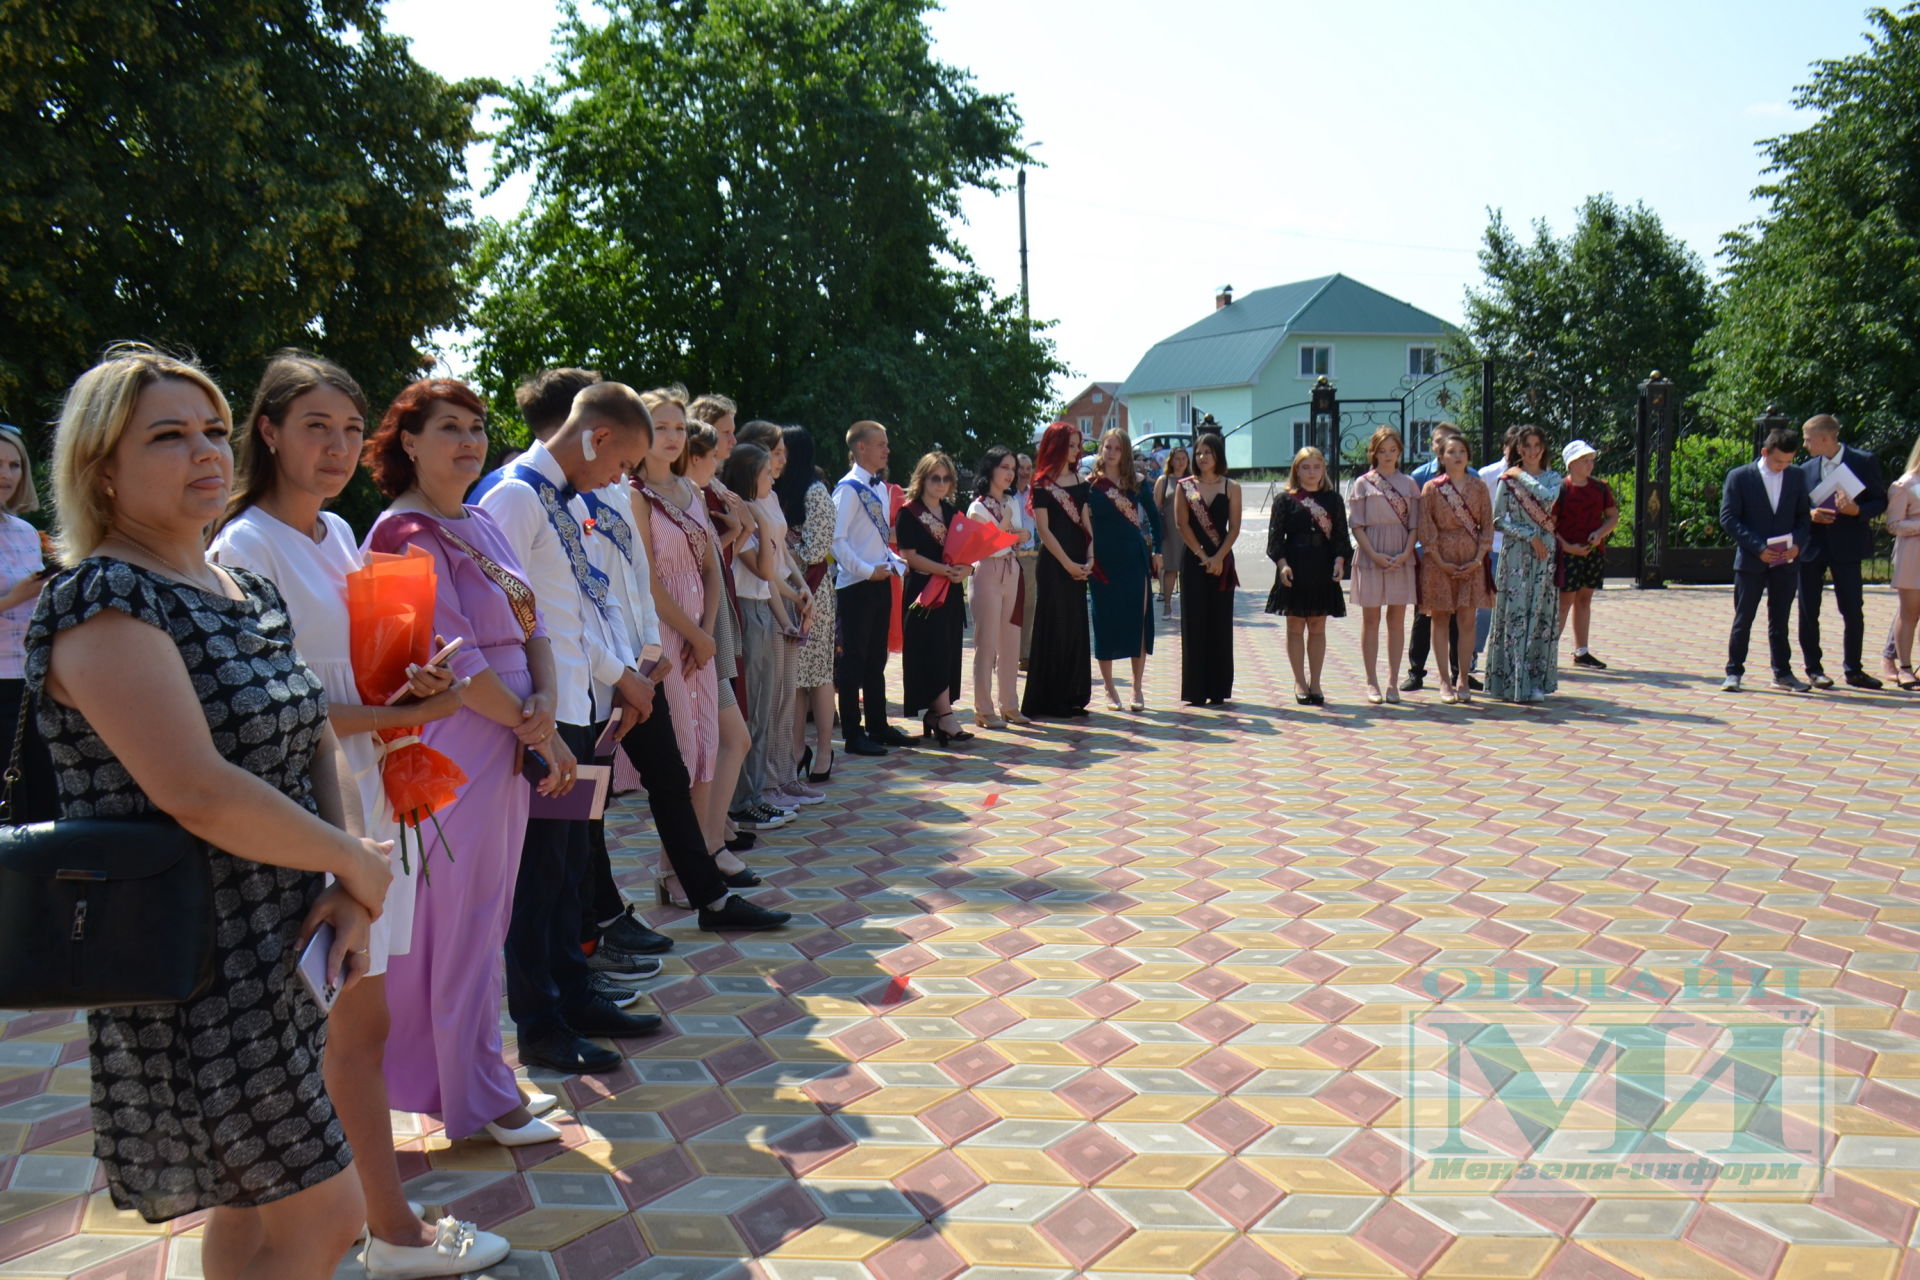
[(1861, 680), (1473, 682), (888, 736), (1588, 660), (737, 913), (864, 747), (1413, 681), (599, 1017), (1820, 680), (629, 935), (567, 1053)]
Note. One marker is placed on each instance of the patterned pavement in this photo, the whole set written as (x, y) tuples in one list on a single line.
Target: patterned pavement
[(1169, 995)]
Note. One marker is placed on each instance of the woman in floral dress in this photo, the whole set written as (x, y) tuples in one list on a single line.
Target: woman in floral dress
[(1522, 650)]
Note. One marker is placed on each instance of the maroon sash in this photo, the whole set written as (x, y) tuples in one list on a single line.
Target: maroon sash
[(1394, 498), (1067, 504), (931, 523), (1190, 490), (694, 532), (1458, 505), (1540, 516), (520, 597)]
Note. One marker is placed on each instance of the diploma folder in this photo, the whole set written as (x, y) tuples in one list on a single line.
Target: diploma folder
[(586, 802)]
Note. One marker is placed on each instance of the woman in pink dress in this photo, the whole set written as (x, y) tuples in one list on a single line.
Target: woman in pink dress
[(1383, 511)]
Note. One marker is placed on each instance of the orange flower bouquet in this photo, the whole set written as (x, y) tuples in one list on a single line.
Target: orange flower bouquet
[(390, 606)]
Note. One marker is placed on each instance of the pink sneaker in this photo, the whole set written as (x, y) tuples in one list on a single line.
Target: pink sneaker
[(802, 792)]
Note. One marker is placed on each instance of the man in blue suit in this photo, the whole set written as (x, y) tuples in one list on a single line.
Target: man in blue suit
[(1764, 506), (1842, 537)]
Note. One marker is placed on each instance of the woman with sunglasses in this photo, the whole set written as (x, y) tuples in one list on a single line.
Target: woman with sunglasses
[(931, 637)]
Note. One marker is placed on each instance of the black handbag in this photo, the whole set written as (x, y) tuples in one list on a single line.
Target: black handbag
[(97, 912)]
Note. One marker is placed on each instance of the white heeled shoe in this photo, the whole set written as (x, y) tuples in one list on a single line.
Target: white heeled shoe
[(458, 1247), (532, 1133), (540, 1103)]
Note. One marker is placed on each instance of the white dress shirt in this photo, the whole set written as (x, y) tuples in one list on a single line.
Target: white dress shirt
[(632, 580), (1772, 480), (1490, 476), (858, 546), (589, 649)]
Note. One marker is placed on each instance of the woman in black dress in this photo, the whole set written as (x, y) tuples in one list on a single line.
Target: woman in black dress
[(1060, 669), (1208, 513), (1308, 544), (931, 639)]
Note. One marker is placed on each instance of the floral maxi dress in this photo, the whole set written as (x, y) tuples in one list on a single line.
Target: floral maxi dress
[(1523, 646)]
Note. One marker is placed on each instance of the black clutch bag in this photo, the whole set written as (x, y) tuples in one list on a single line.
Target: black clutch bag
[(97, 912)]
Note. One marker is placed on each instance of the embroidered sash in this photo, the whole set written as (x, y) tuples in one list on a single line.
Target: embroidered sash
[(1318, 512), (1067, 504), (1541, 517), (1457, 504), (592, 581), (932, 523), (1190, 490), (1122, 503), (610, 522), (520, 597), (691, 529), (871, 505), (1395, 499)]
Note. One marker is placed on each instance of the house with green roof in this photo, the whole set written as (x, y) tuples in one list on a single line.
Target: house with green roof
[(1263, 352)]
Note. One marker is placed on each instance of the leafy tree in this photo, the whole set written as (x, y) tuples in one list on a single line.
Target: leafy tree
[(1822, 310), (757, 197), (228, 178), (1575, 324)]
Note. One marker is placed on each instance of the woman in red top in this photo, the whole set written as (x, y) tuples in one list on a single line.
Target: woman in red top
[(1584, 515)]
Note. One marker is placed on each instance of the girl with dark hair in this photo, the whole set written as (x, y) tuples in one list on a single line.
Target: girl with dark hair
[(1523, 647), (429, 450), (1208, 517), (1060, 670), (748, 472), (996, 597), (808, 505), (792, 603), (298, 448), (1126, 556)]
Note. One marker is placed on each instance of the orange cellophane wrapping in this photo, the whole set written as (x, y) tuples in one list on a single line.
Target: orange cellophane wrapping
[(390, 607)]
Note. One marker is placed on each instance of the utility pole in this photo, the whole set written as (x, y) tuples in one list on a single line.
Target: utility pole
[(1026, 311)]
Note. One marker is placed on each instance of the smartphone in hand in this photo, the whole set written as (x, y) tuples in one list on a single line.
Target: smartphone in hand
[(323, 986)]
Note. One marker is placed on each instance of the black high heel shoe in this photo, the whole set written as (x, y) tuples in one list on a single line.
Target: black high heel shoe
[(930, 729), (741, 879), (826, 775)]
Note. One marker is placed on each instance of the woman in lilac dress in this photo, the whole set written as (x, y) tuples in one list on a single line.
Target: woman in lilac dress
[(445, 992)]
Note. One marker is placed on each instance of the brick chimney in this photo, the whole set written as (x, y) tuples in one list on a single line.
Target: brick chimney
[(1224, 298)]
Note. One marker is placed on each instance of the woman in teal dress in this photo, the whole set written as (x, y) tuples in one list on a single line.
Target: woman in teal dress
[(1126, 558), (1523, 649)]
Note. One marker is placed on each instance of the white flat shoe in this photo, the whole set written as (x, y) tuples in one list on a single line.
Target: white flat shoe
[(532, 1133), (414, 1207), (460, 1247), (540, 1103)]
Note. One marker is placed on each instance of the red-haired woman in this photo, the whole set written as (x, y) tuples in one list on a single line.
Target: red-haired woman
[(430, 447), (1060, 672)]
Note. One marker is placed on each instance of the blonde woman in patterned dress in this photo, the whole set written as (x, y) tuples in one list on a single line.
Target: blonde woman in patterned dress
[(1383, 510)]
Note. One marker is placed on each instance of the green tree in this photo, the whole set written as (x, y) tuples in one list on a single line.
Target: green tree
[(228, 178), (1822, 310), (1575, 324), (757, 197)]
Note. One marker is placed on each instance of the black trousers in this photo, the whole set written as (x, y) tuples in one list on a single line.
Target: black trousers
[(655, 755), (861, 671), (1421, 644), (1853, 618), (546, 970), (1776, 586)]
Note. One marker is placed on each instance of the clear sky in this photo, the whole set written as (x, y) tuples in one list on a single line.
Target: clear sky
[(1255, 142)]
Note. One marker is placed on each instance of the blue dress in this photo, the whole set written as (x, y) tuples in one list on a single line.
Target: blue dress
[(1123, 571)]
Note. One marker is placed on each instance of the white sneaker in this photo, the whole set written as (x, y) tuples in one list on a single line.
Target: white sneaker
[(532, 1133), (460, 1247), (803, 793)]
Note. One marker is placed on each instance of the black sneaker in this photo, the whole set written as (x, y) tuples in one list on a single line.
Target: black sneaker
[(1819, 679), (599, 1018), (1789, 683), (627, 934), (738, 913), (622, 964), (609, 988), (1588, 660), (1861, 680)]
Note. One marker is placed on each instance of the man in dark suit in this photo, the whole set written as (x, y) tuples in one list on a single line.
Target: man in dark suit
[(1842, 537), (1764, 506)]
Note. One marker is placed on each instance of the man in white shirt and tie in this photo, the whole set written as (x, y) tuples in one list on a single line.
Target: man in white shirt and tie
[(537, 506), (863, 565), (1764, 506)]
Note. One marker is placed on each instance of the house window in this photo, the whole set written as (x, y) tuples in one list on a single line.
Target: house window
[(1099, 397), (1423, 361), (1420, 437), (1183, 409), (1302, 437), (1316, 360), (1086, 426), (1113, 422)]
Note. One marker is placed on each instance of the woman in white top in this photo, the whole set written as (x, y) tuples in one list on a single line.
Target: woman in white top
[(298, 449), (996, 592), (21, 565)]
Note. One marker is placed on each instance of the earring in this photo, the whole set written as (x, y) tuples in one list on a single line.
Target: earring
[(111, 493)]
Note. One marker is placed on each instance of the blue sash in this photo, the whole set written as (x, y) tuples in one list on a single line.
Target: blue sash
[(591, 580), (875, 512), (610, 522)]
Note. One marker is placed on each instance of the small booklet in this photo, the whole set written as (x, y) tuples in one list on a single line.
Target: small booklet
[(1780, 542), (1839, 480), (585, 802)]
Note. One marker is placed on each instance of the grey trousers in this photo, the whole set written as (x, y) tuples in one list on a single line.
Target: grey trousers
[(770, 702)]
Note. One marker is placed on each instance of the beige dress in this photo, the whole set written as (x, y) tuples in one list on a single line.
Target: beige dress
[(1387, 510), (1444, 536), (1903, 522)]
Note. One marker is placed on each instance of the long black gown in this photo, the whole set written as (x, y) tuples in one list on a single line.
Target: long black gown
[(1060, 668), (930, 639), (1206, 611)]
